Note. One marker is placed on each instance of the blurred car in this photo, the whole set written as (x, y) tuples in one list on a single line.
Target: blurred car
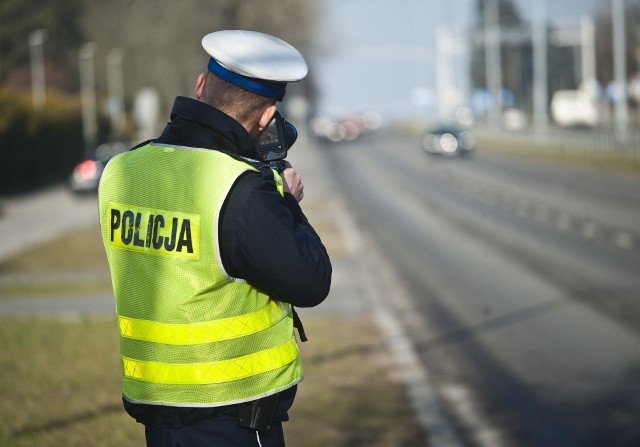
[(348, 127), (86, 174), (449, 141)]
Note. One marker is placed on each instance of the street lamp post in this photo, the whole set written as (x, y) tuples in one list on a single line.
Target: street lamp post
[(88, 96), (588, 51), (619, 69), (447, 46), (115, 86), (36, 53), (493, 61), (540, 68)]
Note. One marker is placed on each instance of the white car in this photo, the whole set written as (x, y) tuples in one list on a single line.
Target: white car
[(574, 108)]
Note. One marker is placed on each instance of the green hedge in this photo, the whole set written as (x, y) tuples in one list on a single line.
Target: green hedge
[(38, 147)]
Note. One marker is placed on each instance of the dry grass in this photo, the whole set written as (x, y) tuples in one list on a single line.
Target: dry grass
[(61, 380), (61, 387), (78, 251)]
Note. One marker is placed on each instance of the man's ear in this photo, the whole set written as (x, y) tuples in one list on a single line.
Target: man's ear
[(199, 88), (266, 117)]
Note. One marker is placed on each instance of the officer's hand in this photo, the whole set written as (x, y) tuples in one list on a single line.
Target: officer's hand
[(292, 182)]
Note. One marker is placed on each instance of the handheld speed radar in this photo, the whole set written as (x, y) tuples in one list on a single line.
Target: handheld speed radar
[(275, 141)]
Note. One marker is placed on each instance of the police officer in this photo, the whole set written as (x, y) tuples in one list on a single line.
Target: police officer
[(209, 251)]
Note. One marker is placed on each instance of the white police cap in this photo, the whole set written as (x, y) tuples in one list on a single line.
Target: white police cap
[(254, 61)]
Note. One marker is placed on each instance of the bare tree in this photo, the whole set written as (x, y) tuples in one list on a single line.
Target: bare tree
[(160, 39)]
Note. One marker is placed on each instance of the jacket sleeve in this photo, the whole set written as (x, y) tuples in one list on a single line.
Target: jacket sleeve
[(267, 240)]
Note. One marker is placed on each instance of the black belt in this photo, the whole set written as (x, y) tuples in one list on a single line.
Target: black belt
[(256, 414)]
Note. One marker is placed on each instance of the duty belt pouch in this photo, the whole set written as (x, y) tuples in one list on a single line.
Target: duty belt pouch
[(258, 414)]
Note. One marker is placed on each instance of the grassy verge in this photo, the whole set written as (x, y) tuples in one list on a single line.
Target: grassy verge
[(348, 397), (61, 380), (557, 153), (60, 383), (73, 265), (61, 387), (79, 251)]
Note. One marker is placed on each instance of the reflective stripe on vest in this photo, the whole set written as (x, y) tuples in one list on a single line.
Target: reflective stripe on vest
[(197, 333), (212, 372), (279, 182)]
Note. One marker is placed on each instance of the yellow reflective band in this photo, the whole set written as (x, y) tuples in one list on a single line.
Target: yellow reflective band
[(207, 332), (279, 182), (213, 372)]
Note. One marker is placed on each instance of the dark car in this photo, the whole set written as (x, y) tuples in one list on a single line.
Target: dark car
[(86, 174), (448, 141)]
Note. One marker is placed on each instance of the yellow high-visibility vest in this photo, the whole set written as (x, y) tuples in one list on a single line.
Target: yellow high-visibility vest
[(190, 335)]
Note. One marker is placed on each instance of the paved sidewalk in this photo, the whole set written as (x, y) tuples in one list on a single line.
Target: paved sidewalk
[(29, 219)]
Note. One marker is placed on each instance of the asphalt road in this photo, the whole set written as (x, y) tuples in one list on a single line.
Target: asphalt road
[(524, 285)]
